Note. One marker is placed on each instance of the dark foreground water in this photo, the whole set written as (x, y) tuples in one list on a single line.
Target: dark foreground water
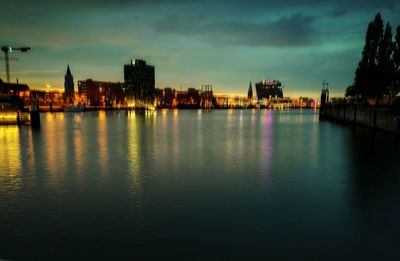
[(197, 185)]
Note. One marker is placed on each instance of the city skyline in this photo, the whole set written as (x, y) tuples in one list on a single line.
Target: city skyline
[(193, 43)]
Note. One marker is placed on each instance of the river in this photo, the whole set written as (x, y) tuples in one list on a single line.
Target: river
[(198, 185)]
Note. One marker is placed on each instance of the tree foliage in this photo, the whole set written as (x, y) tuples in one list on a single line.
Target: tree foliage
[(396, 62), (377, 73)]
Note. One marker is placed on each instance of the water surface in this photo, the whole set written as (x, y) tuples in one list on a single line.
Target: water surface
[(198, 185)]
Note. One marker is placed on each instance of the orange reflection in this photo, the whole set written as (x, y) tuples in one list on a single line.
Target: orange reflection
[(78, 151)]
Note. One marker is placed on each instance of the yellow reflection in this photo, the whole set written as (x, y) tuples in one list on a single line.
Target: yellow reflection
[(77, 118), (175, 139), (164, 112), (102, 115), (55, 145), (30, 151), (102, 140), (200, 134), (176, 113), (78, 152), (134, 154), (131, 114), (10, 158), (133, 150), (150, 114)]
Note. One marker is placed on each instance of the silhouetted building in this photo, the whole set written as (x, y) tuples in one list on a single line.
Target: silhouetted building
[(190, 99), (69, 84), (14, 89), (166, 97), (139, 80), (193, 97), (250, 92), (206, 96), (19, 93), (303, 102), (47, 97), (99, 93), (269, 89)]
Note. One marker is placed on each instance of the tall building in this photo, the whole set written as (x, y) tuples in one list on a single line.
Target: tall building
[(270, 89), (69, 84), (250, 92), (139, 80)]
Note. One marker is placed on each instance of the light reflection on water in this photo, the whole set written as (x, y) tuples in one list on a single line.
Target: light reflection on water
[(102, 141), (10, 159), (239, 184)]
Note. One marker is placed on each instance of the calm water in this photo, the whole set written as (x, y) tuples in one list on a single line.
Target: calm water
[(197, 185)]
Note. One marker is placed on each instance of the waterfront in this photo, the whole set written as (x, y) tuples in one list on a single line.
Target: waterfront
[(198, 185)]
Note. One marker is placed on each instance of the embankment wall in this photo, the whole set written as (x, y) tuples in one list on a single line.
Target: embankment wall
[(383, 118)]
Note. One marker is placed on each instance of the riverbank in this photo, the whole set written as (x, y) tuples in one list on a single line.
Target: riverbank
[(381, 118), (46, 108)]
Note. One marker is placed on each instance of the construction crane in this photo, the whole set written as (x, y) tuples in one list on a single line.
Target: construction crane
[(7, 50)]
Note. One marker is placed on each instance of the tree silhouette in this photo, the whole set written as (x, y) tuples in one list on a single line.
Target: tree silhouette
[(384, 74), (396, 64), (351, 91), (367, 70), (376, 73)]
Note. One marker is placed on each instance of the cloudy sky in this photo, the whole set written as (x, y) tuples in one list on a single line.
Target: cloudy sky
[(190, 42)]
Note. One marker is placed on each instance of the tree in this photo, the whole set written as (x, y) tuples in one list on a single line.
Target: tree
[(372, 77), (351, 91), (396, 64), (385, 69)]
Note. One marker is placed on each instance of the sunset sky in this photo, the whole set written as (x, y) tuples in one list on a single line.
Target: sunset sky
[(223, 43)]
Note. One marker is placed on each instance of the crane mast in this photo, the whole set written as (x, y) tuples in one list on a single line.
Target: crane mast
[(7, 50)]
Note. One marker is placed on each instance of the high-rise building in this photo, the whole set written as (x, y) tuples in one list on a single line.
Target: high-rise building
[(269, 89), (139, 81), (69, 84)]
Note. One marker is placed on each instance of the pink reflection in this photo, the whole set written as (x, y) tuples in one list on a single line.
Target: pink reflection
[(266, 148)]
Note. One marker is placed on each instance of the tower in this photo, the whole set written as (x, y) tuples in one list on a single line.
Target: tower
[(324, 93), (69, 84), (140, 80), (250, 92)]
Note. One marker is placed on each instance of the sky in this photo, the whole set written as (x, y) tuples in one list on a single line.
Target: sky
[(191, 42)]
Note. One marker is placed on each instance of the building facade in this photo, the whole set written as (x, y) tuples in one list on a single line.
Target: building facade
[(139, 80), (18, 93), (269, 89), (100, 93)]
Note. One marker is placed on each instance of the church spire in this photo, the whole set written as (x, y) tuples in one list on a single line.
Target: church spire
[(68, 71), (69, 84), (250, 92)]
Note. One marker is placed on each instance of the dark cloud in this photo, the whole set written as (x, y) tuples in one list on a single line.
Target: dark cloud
[(287, 31), (78, 4), (228, 4)]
